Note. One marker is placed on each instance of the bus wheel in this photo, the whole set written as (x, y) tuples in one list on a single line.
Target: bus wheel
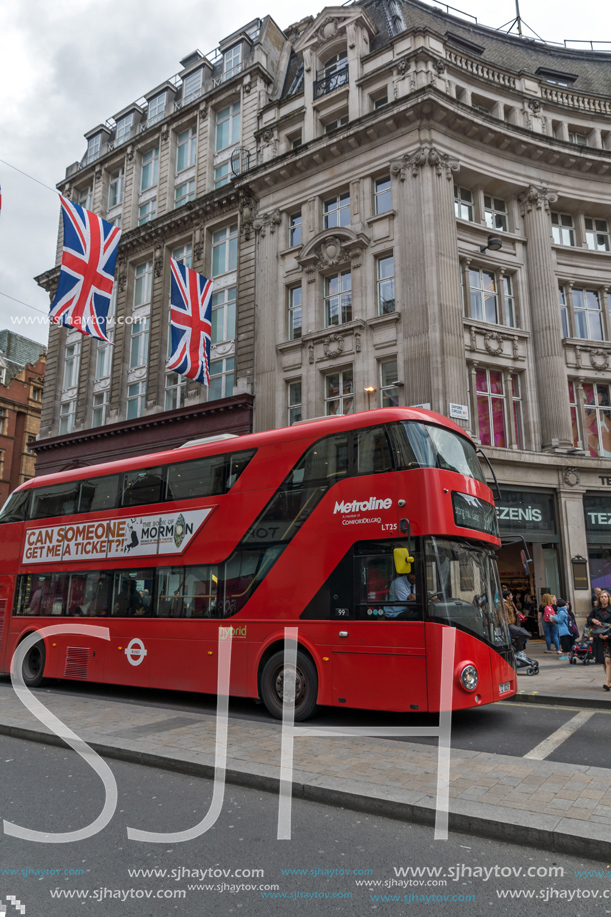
[(279, 686), (34, 665)]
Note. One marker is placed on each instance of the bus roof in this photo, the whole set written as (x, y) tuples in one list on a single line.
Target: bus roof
[(307, 430)]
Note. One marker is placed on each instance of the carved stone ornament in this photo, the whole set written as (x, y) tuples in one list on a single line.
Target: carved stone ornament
[(326, 251), (402, 66), (264, 221), (493, 343), (268, 136), (165, 132), (158, 262), (443, 163), (121, 274), (130, 153), (535, 106), (515, 344), (98, 174), (439, 66), (198, 250), (310, 353), (247, 86), (472, 338), (333, 346), (203, 111), (599, 359), (571, 477), (357, 342), (328, 30), (538, 198)]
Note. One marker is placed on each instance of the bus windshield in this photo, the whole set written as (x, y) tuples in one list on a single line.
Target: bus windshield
[(423, 445), (463, 589)]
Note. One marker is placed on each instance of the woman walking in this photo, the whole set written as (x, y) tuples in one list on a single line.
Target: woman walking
[(600, 616), (550, 627)]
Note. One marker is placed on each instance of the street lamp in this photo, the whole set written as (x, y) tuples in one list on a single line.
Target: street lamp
[(369, 389), (495, 243)]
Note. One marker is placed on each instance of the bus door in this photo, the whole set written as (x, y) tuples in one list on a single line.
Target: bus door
[(379, 650), (6, 594)]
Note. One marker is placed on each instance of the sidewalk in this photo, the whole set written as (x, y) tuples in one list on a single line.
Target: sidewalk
[(558, 682), (559, 807)]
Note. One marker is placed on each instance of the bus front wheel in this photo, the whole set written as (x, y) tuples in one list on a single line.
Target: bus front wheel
[(280, 684), (34, 665)]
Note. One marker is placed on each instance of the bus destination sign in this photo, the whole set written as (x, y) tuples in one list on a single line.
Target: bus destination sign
[(472, 513), (169, 533)]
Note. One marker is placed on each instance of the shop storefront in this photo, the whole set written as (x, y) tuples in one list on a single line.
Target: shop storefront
[(531, 514), (597, 513)]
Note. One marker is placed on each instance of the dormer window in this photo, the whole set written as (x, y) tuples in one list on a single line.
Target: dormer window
[(232, 61), (191, 87), (333, 75), (156, 109), (123, 129), (93, 147)]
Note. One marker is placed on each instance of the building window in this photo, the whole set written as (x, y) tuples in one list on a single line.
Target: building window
[(221, 175), (510, 304), (143, 283), (139, 347), (294, 399), (562, 229), (495, 213), (71, 364), (184, 192), (338, 299), (175, 391), (136, 400), (191, 86), (150, 169), (386, 285), (382, 196), (597, 413), (294, 313), (123, 129), (221, 378), (295, 140), (93, 147), (333, 75), (85, 197), (186, 149), (463, 204), (578, 138), (2, 375), (147, 212), (339, 393), (564, 312), (388, 383), (67, 410), (232, 61), (36, 394), (516, 403), (115, 188), (225, 250), (100, 409), (156, 109), (295, 229), (340, 121), (115, 221), (184, 254), (491, 407), (588, 315), (223, 315), (597, 235), (227, 126), (381, 100), (574, 414), (3, 422), (483, 295), (337, 211), (103, 357)]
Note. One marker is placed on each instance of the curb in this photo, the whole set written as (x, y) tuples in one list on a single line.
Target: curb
[(555, 701), (465, 822)]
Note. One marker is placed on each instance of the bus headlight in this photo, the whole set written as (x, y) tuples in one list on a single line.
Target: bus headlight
[(469, 678)]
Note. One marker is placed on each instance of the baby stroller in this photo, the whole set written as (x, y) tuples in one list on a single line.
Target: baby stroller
[(582, 651), (522, 660)]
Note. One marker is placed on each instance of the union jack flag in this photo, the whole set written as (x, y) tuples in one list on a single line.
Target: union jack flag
[(190, 322), (87, 272)]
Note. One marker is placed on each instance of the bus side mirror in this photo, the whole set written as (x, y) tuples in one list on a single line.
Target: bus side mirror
[(403, 561)]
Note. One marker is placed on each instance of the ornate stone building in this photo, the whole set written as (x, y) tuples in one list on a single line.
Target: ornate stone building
[(419, 209)]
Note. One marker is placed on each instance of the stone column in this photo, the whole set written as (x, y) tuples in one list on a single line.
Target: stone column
[(266, 360), (555, 429), (423, 197)]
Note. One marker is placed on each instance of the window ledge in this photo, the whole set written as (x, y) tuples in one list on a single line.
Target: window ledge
[(380, 216), (386, 319), (493, 326)]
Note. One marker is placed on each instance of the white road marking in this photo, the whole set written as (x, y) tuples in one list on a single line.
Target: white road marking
[(552, 742)]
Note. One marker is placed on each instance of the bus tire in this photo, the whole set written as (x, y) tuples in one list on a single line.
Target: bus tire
[(306, 684), (33, 666)]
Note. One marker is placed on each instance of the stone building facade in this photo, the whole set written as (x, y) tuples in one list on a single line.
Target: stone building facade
[(22, 371), (381, 146)]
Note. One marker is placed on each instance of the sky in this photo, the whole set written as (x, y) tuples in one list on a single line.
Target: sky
[(68, 65)]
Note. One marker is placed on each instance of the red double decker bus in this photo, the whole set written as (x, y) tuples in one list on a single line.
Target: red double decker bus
[(370, 533)]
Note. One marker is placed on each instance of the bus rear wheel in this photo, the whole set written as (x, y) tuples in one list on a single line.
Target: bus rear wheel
[(279, 686), (34, 665)]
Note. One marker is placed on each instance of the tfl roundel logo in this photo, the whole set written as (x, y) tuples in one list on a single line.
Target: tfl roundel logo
[(135, 651)]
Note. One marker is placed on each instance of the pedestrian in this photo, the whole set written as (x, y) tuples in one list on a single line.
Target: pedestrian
[(540, 615), (600, 616), (563, 620), (550, 626)]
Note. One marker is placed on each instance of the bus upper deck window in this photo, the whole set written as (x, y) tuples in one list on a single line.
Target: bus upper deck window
[(99, 494), (55, 500), (16, 507), (372, 452), (325, 461), (142, 487)]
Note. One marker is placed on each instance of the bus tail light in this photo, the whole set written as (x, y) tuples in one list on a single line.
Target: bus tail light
[(469, 677)]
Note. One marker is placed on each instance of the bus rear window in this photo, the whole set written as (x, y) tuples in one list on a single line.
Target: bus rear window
[(420, 445)]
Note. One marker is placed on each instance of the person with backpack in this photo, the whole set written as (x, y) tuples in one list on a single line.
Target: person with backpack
[(563, 620), (550, 626)]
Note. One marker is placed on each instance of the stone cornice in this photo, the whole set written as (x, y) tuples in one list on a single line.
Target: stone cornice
[(536, 198), (442, 163)]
